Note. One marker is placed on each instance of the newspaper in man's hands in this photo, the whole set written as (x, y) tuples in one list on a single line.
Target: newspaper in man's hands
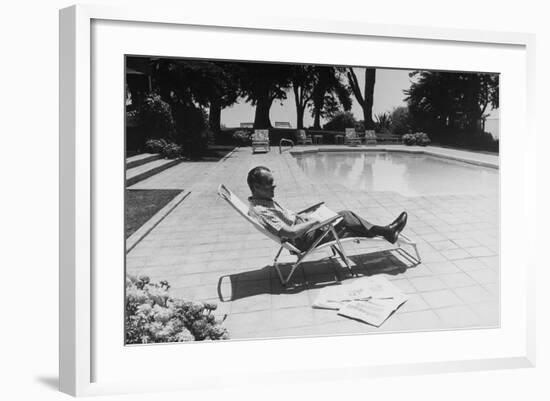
[(322, 214)]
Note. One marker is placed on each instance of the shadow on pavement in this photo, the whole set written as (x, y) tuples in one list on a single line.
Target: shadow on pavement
[(310, 274)]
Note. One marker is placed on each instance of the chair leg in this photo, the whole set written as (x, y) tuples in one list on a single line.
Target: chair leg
[(341, 250), (276, 265), (301, 257)]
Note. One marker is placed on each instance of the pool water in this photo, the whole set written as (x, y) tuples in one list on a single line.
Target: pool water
[(407, 174)]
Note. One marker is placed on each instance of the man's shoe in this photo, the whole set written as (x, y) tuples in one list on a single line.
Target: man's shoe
[(395, 228)]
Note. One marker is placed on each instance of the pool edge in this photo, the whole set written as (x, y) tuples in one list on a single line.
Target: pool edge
[(429, 152)]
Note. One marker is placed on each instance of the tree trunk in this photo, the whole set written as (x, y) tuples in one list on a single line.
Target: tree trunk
[(317, 106), (316, 118), (261, 116), (370, 79), (299, 117), (299, 107), (214, 117)]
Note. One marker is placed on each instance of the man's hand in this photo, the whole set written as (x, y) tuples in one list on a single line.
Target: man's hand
[(312, 219), (299, 228)]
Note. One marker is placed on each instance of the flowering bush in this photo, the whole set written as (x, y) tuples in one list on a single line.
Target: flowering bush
[(155, 145), (422, 138), (418, 138), (409, 139), (172, 151), (152, 316), (132, 118), (167, 149), (242, 137)]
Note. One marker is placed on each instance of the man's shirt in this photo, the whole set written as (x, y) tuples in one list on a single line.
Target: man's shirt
[(271, 215)]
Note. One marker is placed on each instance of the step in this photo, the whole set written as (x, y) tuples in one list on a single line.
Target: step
[(140, 159), (149, 169)]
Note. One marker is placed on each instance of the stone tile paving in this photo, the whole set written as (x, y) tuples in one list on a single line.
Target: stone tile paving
[(208, 252)]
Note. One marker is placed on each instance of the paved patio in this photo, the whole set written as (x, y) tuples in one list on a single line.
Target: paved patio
[(207, 251)]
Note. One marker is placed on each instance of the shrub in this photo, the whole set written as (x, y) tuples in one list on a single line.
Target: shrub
[(155, 145), (172, 151), (152, 316), (418, 138), (422, 138), (409, 139), (242, 137), (383, 122), (400, 121), (468, 140), (167, 149), (341, 121), (156, 116)]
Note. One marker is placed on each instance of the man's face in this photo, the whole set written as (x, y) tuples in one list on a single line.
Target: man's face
[(265, 187)]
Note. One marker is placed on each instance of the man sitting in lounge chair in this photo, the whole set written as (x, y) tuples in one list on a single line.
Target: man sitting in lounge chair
[(286, 224)]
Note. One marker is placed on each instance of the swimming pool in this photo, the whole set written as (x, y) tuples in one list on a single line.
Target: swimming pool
[(407, 174)]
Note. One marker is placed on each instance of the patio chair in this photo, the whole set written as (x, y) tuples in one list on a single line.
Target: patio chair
[(302, 138), (335, 245), (260, 140), (351, 138), (370, 137)]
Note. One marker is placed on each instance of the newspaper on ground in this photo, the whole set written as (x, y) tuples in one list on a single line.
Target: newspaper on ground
[(362, 289), (373, 311), (369, 299)]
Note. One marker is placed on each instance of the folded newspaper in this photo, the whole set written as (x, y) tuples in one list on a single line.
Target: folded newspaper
[(369, 299), (322, 213)]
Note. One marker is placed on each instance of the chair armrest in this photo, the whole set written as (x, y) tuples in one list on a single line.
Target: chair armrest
[(309, 209)]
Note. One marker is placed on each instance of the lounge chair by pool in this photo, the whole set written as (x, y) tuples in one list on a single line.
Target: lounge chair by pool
[(335, 245)]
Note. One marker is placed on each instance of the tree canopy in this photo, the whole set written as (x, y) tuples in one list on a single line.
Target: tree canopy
[(261, 84), (450, 100)]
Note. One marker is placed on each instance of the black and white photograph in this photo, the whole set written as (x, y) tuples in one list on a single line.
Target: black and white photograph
[(253, 201), (280, 200)]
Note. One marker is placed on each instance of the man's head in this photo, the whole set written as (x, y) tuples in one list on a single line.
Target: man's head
[(260, 182)]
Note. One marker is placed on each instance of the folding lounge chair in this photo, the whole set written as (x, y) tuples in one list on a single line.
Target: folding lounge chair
[(335, 245), (370, 137), (351, 137), (260, 140), (302, 138)]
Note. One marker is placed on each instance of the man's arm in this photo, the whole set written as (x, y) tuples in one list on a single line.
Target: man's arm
[(298, 229)]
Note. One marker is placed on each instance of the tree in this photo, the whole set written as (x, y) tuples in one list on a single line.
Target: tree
[(223, 91), (303, 83), (340, 121), (329, 92), (206, 84), (400, 121), (449, 100), (365, 101), (191, 87), (261, 84)]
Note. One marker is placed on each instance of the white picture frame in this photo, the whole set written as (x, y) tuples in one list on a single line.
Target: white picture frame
[(80, 346)]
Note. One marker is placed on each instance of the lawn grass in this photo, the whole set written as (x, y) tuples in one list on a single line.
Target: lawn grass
[(142, 204)]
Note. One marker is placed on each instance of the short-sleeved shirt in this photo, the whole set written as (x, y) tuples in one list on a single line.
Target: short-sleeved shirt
[(272, 215)]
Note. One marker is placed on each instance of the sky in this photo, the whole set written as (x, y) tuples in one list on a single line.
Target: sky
[(388, 94)]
